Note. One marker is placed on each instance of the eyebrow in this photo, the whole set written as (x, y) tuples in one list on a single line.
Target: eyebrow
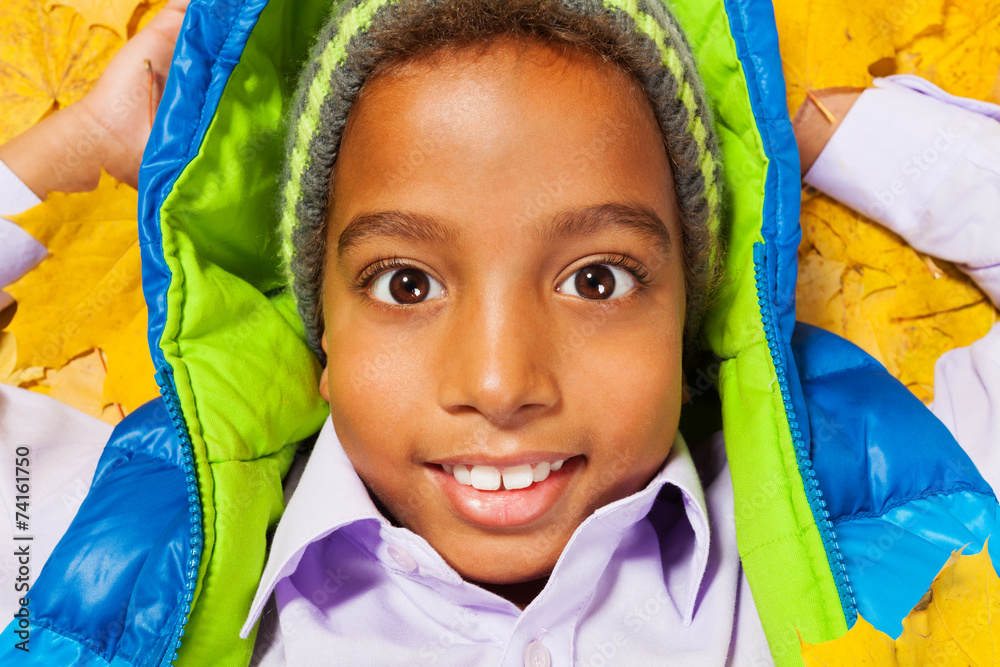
[(587, 221), (632, 218), (392, 224)]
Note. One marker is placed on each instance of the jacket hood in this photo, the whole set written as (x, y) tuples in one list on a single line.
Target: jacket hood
[(221, 319)]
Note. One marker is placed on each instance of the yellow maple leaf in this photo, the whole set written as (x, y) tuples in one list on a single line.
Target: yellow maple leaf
[(86, 295), (828, 43), (114, 14), (958, 621), (956, 624), (8, 356), (862, 646), (89, 288), (910, 20), (77, 384), (48, 60), (962, 57), (130, 374)]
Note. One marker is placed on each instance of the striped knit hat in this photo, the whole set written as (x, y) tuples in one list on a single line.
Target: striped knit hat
[(362, 35)]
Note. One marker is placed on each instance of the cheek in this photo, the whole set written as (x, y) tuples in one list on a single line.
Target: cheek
[(378, 384), (630, 390), (374, 394)]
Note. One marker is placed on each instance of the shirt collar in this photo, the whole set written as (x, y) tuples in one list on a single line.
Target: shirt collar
[(680, 472), (331, 495)]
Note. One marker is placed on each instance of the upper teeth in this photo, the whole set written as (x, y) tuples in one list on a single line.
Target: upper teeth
[(489, 478)]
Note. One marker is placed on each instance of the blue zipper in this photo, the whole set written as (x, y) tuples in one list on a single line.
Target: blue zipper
[(164, 378), (813, 493)]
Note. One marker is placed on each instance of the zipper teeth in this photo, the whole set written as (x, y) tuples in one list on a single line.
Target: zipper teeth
[(164, 378), (813, 493)]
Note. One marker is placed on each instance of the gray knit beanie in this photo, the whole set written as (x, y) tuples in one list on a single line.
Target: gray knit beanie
[(638, 35)]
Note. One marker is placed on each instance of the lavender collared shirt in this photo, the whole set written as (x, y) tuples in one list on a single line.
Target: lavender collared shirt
[(642, 581)]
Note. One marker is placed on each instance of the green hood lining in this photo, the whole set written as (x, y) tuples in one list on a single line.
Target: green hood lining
[(224, 333)]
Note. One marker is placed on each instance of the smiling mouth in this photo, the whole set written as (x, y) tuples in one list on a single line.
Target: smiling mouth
[(491, 478), (505, 496)]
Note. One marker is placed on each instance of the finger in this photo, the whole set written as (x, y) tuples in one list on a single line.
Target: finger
[(173, 12), (166, 23)]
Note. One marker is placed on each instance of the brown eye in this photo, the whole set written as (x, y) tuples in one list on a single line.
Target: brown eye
[(406, 286), (595, 282), (599, 282)]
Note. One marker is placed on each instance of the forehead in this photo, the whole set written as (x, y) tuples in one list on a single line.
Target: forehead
[(514, 130)]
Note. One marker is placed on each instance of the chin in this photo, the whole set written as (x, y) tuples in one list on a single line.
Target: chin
[(505, 560)]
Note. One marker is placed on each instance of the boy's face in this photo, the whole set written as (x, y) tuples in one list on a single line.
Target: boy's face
[(533, 306)]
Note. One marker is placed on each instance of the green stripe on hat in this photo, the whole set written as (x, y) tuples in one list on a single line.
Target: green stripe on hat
[(356, 20)]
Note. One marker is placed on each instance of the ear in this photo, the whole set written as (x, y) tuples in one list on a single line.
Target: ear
[(324, 388)]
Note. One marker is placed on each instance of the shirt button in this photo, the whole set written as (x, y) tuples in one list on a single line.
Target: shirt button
[(536, 655), (403, 559)]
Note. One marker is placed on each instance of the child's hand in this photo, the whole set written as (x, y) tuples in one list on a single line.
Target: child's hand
[(107, 128), (813, 128), (118, 106)]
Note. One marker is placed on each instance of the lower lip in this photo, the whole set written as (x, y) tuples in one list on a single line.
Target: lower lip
[(505, 508)]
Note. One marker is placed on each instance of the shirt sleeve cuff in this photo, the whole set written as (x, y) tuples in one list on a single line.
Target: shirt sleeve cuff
[(895, 147), (19, 251), (15, 196)]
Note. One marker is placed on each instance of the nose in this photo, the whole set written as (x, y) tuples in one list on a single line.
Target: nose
[(498, 360)]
